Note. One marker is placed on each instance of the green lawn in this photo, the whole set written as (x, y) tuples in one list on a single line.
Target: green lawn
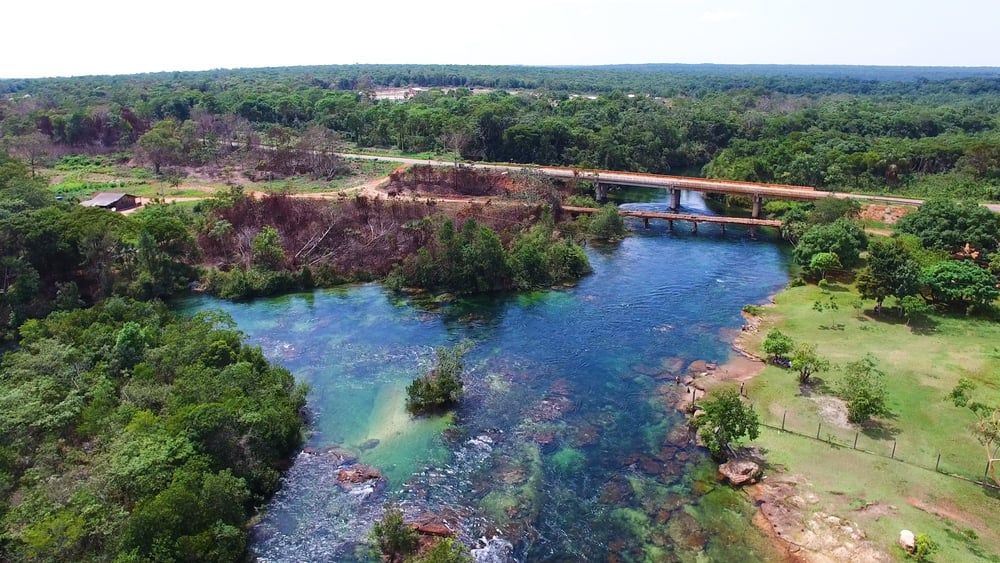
[(922, 365)]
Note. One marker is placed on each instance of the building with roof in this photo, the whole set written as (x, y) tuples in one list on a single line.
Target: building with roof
[(112, 201)]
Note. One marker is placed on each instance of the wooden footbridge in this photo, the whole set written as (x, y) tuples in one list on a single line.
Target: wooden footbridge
[(671, 217)]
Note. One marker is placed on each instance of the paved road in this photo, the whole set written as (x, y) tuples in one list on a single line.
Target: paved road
[(658, 181)]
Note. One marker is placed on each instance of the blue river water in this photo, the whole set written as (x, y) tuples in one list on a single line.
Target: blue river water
[(567, 445)]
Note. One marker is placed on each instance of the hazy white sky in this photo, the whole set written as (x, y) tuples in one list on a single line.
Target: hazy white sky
[(77, 37)]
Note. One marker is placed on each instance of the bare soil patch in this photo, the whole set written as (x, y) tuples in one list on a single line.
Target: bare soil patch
[(888, 214)]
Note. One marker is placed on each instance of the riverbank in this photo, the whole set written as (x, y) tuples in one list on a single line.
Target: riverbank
[(835, 491)]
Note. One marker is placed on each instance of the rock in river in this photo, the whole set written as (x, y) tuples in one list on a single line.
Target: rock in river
[(358, 474), (739, 472)]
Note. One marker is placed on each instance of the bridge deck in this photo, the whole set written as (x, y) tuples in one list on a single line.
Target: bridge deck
[(680, 217)]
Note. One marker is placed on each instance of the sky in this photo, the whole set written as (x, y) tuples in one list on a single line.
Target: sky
[(82, 37)]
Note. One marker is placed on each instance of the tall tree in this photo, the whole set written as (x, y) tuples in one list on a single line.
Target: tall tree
[(891, 271)]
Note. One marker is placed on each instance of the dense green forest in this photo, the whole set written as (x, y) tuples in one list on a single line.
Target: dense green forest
[(898, 130)]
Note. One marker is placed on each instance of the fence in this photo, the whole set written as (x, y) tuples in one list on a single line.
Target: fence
[(968, 468)]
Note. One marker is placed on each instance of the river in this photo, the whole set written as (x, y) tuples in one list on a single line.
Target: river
[(565, 446)]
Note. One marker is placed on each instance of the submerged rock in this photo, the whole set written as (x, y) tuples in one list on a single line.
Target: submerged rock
[(698, 366), (432, 525), (617, 491), (740, 472), (369, 444)]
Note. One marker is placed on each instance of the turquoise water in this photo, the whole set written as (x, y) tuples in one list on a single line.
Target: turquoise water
[(566, 446)]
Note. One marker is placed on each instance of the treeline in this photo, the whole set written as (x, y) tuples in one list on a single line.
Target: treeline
[(905, 134), (656, 79)]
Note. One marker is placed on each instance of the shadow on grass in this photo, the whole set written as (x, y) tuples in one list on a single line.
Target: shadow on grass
[(815, 386), (836, 288), (880, 430), (923, 326)]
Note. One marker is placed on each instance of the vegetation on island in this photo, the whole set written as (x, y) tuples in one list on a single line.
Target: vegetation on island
[(393, 540), (442, 387)]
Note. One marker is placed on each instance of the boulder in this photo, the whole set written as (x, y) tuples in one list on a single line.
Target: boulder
[(739, 472), (358, 474), (907, 541)]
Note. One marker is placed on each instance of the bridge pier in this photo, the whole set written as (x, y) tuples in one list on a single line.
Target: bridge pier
[(675, 199), (601, 192), (695, 223), (757, 206), (645, 222), (670, 224)]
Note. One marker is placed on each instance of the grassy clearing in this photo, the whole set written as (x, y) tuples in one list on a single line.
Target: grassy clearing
[(922, 365)]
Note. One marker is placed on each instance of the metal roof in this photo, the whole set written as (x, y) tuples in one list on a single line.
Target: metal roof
[(103, 199)]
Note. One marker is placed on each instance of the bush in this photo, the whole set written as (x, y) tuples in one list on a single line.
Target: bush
[(607, 224), (924, 547), (864, 390)]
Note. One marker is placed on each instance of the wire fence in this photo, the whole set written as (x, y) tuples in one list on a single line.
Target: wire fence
[(968, 468)]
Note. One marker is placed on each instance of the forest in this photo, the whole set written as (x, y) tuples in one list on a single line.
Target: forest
[(887, 130), (118, 416)]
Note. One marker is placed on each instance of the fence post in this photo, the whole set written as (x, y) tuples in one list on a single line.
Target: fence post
[(938, 464), (818, 426), (893, 456), (856, 434), (783, 419)]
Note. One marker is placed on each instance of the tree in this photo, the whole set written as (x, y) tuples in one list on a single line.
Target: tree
[(724, 420), (864, 390), (890, 271), (162, 143), (267, 249), (987, 426), (456, 139), (823, 261), (948, 225), (957, 284), (842, 237), (777, 344), (32, 147), (391, 538), (807, 362)]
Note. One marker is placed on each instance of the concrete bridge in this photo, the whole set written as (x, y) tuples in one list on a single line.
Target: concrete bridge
[(671, 217), (756, 192), (603, 179)]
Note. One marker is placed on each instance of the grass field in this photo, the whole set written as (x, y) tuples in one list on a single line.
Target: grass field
[(922, 365)]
